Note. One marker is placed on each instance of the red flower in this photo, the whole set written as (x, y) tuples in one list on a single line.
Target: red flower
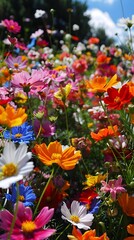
[(93, 40), (117, 98), (87, 196)]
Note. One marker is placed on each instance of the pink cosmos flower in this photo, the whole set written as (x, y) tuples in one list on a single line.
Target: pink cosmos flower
[(16, 63), (12, 26), (113, 186), (29, 83), (25, 227)]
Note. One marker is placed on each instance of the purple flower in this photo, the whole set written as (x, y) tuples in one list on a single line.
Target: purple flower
[(46, 128)]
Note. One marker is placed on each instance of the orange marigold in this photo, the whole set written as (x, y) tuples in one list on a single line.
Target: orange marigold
[(66, 159)]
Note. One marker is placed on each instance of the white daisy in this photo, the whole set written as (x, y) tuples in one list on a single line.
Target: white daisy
[(14, 164), (78, 215), (39, 13)]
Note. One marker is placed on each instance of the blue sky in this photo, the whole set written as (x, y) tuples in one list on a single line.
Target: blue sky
[(113, 7), (106, 14)]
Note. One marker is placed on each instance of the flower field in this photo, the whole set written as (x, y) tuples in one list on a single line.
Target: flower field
[(66, 137)]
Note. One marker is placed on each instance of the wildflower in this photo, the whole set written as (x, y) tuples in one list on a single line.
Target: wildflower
[(118, 98), (54, 153), (16, 63), (130, 230), (100, 84), (22, 133), (4, 75), (93, 40), (88, 235), (45, 128), (11, 25), (63, 92), (93, 180), (75, 27), (105, 132), (39, 13), (25, 227), (80, 65), (55, 190), (87, 196), (113, 186), (26, 195), (127, 204), (12, 117), (37, 33), (126, 22), (14, 164), (77, 216)]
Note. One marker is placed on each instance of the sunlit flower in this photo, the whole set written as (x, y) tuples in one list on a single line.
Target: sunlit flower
[(25, 227), (22, 133), (117, 99), (26, 195), (63, 92), (12, 117), (114, 187), (105, 132), (77, 215), (93, 180), (54, 154), (80, 65), (100, 84), (11, 25), (127, 204), (14, 164), (37, 33), (88, 235), (126, 22)]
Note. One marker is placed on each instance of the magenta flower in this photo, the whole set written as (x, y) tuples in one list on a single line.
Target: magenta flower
[(113, 186), (12, 26), (25, 227), (47, 128)]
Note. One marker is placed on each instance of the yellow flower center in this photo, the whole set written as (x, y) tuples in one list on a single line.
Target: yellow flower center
[(75, 218), (56, 157), (9, 169), (21, 198), (18, 135), (28, 226), (117, 99)]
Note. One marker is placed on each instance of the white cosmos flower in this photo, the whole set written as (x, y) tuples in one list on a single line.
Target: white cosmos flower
[(14, 164), (77, 215), (39, 13)]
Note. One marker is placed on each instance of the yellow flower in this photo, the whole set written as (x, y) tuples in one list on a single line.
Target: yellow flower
[(12, 117), (66, 159), (93, 180), (63, 92)]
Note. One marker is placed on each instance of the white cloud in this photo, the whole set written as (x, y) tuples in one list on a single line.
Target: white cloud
[(104, 1), (100, 19)]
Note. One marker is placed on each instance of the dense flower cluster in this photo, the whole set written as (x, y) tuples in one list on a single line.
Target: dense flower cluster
[(66, 137)]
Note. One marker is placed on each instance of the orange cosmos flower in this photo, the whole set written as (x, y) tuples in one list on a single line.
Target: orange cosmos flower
[(88, 235), (103, 59), (12, 117), (127, 204), (105, 132), (54, 153), (100, 84)]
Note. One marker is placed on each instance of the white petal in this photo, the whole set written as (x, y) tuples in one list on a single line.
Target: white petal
[(9, 152), (65, 211), (75, 208), (7, 182), (21, 152), (22, 162), (26, 169)]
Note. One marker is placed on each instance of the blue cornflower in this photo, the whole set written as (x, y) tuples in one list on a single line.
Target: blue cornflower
[(95, 205), (26, 195), (23, 133)]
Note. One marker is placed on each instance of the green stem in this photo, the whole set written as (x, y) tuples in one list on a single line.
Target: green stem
[(43, 192), (15, 213), (62, 231), (67, 127)]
